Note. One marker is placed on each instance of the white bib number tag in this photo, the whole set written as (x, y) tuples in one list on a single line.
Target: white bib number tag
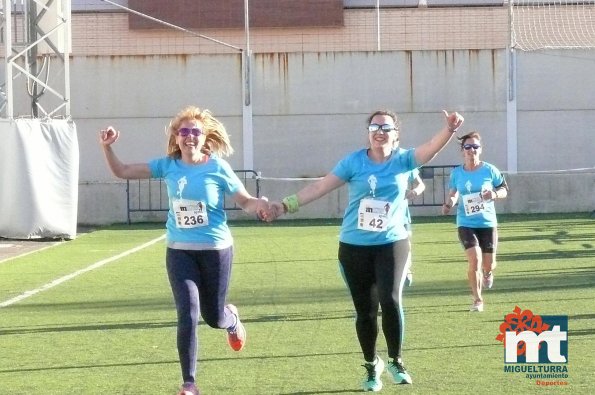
[(190, 213), (373, 215), (474, 204)]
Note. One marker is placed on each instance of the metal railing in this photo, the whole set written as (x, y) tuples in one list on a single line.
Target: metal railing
[(149, 196), (436, 179)]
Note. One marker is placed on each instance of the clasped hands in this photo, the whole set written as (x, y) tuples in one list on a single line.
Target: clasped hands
[(267, 210)]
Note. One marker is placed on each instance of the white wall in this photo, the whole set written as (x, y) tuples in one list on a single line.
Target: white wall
[(310, 110)]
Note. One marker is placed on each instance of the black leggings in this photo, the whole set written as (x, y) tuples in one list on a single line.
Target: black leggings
[(375, 276), (199, 281)]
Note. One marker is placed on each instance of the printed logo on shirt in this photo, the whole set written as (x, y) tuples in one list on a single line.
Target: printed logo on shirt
[(372, 181), (182, 182)]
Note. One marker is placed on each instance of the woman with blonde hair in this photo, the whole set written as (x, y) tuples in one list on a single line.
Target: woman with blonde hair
[(199, 243)]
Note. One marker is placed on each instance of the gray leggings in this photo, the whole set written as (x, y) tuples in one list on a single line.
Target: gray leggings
[(375, 276), (199, 281)]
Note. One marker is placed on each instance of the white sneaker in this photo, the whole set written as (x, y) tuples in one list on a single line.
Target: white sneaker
[(477, 306), (488, 280)]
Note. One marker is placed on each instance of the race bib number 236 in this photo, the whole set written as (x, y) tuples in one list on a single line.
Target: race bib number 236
[(190, 213)]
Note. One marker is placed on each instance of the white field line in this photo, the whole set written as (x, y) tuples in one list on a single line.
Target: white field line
[(70, 276), (31, 252)]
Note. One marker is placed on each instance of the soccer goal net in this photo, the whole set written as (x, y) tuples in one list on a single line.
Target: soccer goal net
[(552, 24)]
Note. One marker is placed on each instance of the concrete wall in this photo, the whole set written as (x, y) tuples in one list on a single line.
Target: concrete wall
[(105, 203), (312, 90), (309, 110)]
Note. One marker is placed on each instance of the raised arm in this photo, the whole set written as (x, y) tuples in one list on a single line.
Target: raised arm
[(427, 151), (121, 170)]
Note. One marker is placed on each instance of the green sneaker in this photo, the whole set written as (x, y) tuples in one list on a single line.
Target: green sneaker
[(372, 380), (398, 372)]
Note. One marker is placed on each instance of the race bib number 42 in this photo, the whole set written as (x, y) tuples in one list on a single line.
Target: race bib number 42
[(373, 215), (190, 213)]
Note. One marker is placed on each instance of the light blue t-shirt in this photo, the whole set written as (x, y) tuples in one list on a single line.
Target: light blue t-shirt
[(487, 176), (196, 189), (386, 182)]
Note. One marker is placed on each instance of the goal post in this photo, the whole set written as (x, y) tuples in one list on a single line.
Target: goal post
[(552, 24)]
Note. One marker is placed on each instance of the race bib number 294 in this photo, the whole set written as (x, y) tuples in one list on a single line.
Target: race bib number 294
[(474, 204)]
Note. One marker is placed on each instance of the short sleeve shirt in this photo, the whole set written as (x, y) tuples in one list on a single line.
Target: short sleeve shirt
[(384, 185), (196, 193), (471, 212)]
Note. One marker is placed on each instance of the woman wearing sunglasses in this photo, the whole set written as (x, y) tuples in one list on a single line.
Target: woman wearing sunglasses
[(373, 241), (199, 243), (478, 184)]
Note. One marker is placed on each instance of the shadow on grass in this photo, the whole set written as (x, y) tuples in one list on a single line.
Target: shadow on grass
[(512, 283), (555, 270), (91, 327), (545, 282), (581, 317), (346, 391), (557, 238), (549, 254), (235, 359), (289, 317), (523, 284), (166, 362), (582, 332), (138, 304), (94, 366)]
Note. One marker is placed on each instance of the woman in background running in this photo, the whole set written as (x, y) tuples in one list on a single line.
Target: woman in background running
[(475, 185)]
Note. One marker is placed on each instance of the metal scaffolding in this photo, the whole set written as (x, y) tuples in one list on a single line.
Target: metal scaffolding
[(37, 42)]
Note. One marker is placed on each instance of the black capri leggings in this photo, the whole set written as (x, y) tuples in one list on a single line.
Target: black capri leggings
[(375, 276)]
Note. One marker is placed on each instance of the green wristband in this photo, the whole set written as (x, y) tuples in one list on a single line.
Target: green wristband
[(291, 202)]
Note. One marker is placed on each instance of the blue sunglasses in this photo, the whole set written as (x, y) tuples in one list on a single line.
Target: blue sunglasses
[(185, 132)]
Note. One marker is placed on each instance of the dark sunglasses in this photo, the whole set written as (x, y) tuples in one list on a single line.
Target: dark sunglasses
[(185, 132), (375, 128), (469, 146)]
